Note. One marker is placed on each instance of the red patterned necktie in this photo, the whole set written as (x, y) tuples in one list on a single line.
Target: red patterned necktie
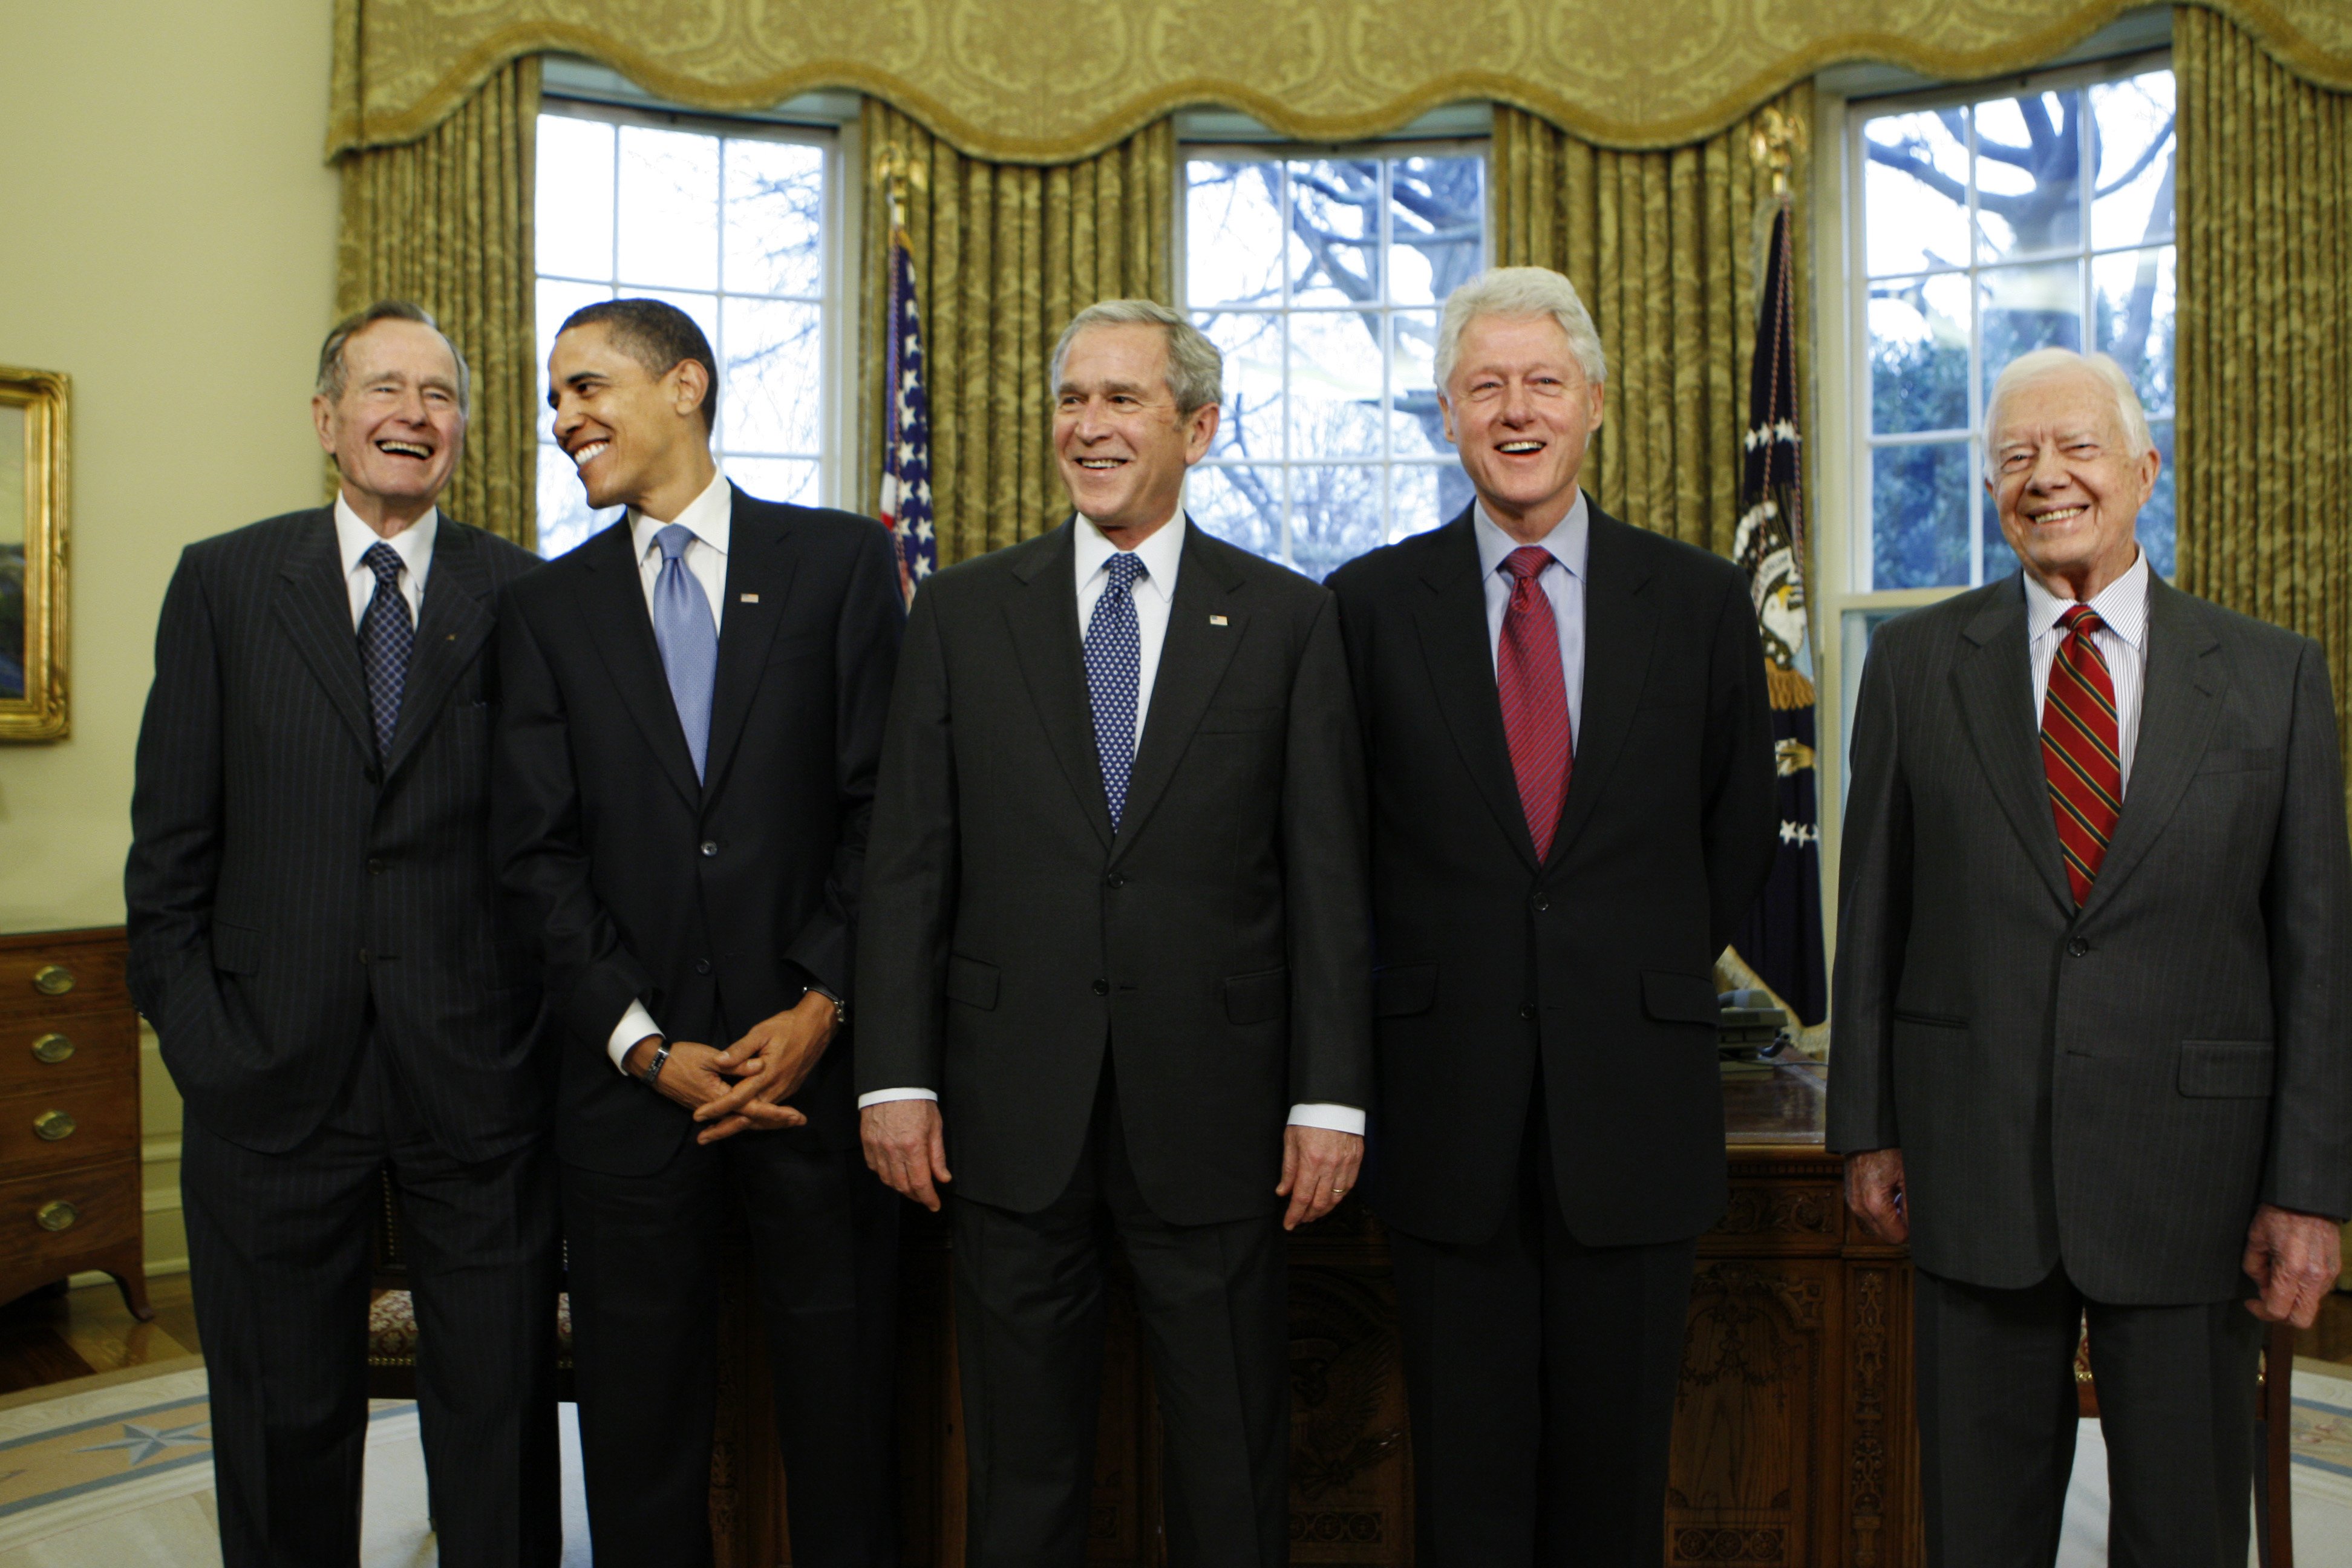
[(2079, 753), (1535, 696)]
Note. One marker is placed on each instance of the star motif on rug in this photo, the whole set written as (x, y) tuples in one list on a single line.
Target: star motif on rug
[(141, 1444)]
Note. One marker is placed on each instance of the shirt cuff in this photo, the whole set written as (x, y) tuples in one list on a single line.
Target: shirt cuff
[(1330, 1117), (636, 1024), (885, 1095)]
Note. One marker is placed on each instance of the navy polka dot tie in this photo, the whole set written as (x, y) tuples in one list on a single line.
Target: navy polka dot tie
[(386, 635), (1114, 675)]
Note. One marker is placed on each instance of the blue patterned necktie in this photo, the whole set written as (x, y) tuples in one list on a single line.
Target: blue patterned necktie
[(1114, 677), (386, 635), (689, 639)]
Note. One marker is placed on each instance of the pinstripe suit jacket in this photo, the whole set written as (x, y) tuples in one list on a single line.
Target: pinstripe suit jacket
[(2115, 1088), (284, 885)]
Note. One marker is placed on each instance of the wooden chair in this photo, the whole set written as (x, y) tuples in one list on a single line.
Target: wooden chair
[(2273, 1423), (392, 1314)]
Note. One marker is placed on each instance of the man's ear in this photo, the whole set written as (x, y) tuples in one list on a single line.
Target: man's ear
[(691, 383), (1200, 431), (322, 419), (1445, 412)]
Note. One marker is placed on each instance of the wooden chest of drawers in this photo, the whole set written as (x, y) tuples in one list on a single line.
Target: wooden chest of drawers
[(69, 1149)]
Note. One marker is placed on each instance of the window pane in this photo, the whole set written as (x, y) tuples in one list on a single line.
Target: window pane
[(1335, 384), (1416, 424), (792, 479), (573, 222), (2028, 307), (1437, 227), (2028, 174), (1241, 506), (703, 308), (1919, 354), (2132, 309), (1914, 191), (1250, 426), (1234, 234), (1919, 516), (1335, 515), (557, 300), (1335, 221), (564, 521), (668, 208), (2132, 203), (774, 356), (2000, 560), (775, 217), (1422, 496), (2156, 531)]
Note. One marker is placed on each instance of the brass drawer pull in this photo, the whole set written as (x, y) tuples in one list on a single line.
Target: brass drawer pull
[(52, 1049), (56, 1215), (53, 980), (53, 1125)]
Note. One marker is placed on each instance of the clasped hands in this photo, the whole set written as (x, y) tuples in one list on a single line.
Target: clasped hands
[(2292, 1257), (905, 1145), (738, 1088)]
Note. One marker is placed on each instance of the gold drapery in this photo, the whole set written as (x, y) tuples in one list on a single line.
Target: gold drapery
[(445, 221), (1004, 255), (2264, 347), (1663, 246), (1053, 80)]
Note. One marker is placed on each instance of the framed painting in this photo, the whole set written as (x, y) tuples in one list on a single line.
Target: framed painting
[(33, 480)]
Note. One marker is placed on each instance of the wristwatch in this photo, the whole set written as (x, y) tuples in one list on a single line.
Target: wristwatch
[(840, 1008), (653, 1068)]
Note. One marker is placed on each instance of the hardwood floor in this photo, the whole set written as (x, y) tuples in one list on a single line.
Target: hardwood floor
[(56, 1335)]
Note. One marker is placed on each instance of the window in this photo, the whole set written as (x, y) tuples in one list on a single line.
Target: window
[(1990, 227), (1319, 278), (728, 222)]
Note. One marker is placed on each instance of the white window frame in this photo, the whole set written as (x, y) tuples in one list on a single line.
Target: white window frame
[(582, 90), (1461, 131)]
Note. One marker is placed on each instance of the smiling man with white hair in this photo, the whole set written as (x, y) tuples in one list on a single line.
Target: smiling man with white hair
[(1572, 806), (2093, 984)]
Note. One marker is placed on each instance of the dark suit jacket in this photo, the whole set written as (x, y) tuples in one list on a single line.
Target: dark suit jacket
[(1216, 946), (718, 902), (283, 888), (1597, 963), (2116, 1089)]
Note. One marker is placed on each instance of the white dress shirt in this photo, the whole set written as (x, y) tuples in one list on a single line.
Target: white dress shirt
[(708, 516), (1570, 543), (1154, 595), (413, 544), (2122, 640)]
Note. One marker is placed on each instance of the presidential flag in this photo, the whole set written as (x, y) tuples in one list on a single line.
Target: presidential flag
[(1782, 940), (906, 461)]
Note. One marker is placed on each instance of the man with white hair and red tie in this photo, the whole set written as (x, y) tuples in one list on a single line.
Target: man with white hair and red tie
[(2091, 999)]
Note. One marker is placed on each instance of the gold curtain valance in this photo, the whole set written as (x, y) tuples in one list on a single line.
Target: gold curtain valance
[(1053, 80)]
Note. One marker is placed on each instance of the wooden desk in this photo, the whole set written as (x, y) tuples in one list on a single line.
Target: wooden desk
[(1793, 1440)]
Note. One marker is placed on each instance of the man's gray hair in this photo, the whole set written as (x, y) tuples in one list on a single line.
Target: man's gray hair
[(331, 353), (2130, 418), (1520, 291), (1196, 370)]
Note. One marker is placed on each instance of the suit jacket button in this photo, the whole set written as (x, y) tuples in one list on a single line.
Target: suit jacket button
[(376, 866), (1542, 903), (1102, 987), (2076, 946), (365, 956), (708, 848), (1114, 880), (374, 777), (1528, 1011), (702, 966)]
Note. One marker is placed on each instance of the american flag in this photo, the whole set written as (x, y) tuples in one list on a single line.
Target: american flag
[(906, 464), (1782, 939)]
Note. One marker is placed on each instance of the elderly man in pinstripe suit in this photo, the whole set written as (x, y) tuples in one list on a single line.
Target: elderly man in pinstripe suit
[(314, 934), (2094, 947)]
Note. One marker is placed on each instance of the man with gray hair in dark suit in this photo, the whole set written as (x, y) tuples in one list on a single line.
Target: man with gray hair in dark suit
[(2093, 952)]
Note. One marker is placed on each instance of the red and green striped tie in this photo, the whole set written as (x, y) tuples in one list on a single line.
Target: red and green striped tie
[(2079, 753)]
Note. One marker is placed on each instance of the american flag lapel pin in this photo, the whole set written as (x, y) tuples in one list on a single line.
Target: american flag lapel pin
[(749, 598), (1216, 620)]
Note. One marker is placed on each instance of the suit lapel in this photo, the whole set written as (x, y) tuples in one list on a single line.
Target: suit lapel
[(315, 604), (1454, 644), (1992, 679), (450, 630), (1042, 618), (1192, 660), (616, 622), (760, 565), (1621, 623), (2178, 704)]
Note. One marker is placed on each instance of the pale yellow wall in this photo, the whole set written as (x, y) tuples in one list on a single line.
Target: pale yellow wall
[(167, 234)]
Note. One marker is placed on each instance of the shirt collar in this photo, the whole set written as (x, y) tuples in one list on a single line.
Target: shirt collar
[(707, 517), (2122, 605), (413, 544), (1162, 553), (1569, 542)]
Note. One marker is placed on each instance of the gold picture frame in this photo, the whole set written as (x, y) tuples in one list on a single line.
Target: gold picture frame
[(34, 477)]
